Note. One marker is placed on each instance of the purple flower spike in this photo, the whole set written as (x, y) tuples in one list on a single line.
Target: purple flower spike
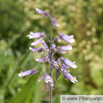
[(35, 35), (36, 49), (41, 59), (68, 47), (48, 80), (58, 39), (55, 23), (45, 13), (45, 45), (28, 72), (69, 63), (37, 41), (72, 79), (66, 38)]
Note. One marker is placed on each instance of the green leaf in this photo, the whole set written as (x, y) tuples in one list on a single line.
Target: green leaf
[(25, 90)]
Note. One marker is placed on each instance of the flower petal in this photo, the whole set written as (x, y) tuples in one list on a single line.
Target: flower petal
[(66, 38), (45, 45), (45, 13), (72, 79), (55, 23), (37, 41), (41, 59)]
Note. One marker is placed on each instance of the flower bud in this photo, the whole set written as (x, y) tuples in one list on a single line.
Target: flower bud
[(55, 23), (41, 59)]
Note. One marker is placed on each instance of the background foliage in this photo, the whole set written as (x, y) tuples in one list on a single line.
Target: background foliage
[(81, 18)]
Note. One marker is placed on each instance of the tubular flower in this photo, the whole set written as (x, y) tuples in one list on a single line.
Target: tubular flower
[(45, 13), (28, 72), (60, 51), (66, 38), (65, 67), (45, 45), (58, 39), (35, 35), (72, 79), (68, 47), (55, 23), (37, 41), (69, 63), (48, 80), (36, 49), (41, 59), (41, 77)]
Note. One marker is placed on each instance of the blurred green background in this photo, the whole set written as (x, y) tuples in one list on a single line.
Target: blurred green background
[(81, 18)]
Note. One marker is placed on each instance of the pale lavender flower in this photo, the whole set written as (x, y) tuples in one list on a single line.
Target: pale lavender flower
[(41, 77), (37, 41), (69, 63), (35, 35), (60, 51), (66, 38), (65, 67), (55, 23), (65, 77), (41, 59), (53, 46), (45, 45), (28, 72), (72, 79), (58, 39), (68, 47), (45, 13), (55, 64), (48, 80), (36, 49)]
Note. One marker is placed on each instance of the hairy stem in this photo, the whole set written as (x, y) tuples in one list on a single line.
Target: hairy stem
[(50, 94)]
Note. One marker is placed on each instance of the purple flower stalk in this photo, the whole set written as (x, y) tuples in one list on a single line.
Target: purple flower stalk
[(61, 65)]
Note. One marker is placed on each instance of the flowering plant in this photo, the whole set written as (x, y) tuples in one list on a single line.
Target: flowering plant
[(61, 64)]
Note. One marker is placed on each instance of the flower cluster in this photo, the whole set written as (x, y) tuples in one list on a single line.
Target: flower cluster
[(62, 64)]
